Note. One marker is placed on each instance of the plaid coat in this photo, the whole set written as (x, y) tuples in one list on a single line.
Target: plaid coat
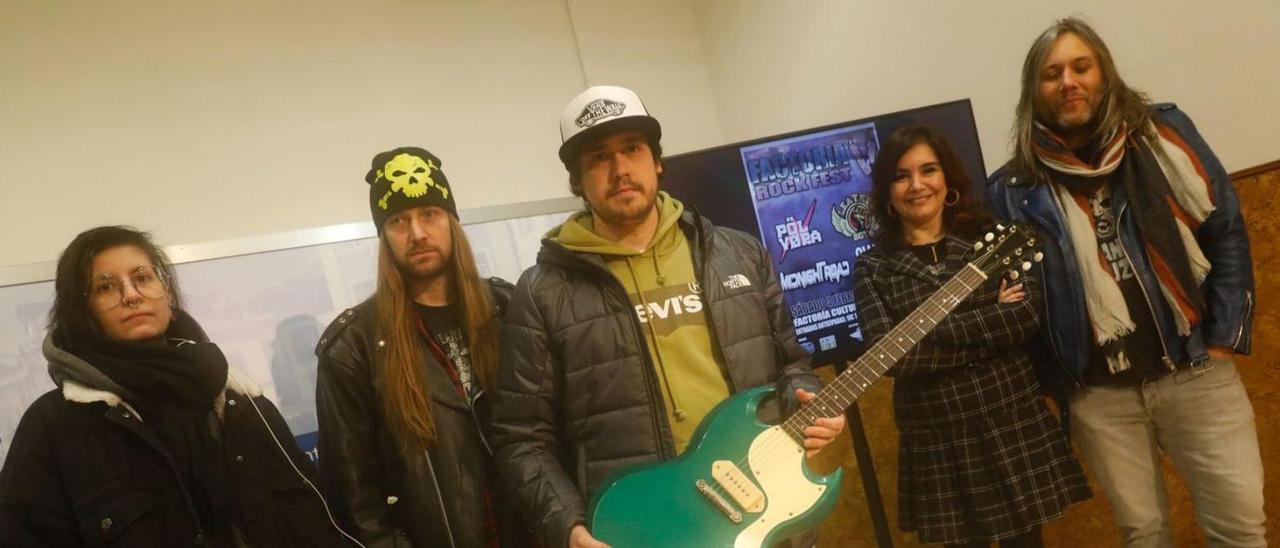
[(980, 458)]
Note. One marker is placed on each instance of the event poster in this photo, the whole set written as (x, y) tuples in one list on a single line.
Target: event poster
[(812, 200)]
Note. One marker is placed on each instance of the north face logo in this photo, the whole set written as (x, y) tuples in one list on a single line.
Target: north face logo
[(598, 110), (736, 281)]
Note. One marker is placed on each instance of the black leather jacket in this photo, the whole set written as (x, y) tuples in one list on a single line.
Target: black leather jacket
[(578, 399), (386, 498)]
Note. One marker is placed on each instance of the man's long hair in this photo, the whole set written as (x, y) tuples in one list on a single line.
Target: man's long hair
[(406, 398), (1120, 104)]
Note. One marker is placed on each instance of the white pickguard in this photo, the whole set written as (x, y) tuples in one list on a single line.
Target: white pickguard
[(776, 460)]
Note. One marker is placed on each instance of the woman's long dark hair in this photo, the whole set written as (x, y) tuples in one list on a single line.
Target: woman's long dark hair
[(70, 315), (966, 217)]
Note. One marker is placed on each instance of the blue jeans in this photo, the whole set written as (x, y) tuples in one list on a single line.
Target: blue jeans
[(1202, 420)]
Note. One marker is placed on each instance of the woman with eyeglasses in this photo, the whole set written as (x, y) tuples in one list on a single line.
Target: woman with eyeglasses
[(149, 438)]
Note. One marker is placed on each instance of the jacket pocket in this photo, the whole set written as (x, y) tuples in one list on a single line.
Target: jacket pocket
[(299, 513), (107, 521)]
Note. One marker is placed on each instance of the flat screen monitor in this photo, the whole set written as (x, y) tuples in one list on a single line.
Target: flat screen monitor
[(806, 195)]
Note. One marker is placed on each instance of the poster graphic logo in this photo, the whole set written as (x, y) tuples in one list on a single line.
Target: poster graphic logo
[(790, 180), (793, 234), (852, 217)]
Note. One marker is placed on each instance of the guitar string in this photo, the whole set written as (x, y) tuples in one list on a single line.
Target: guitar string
[(955, 295), (770, 454), (794, 429), (774, 454)]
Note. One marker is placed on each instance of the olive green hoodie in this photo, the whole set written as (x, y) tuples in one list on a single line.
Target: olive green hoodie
[(663, 288)]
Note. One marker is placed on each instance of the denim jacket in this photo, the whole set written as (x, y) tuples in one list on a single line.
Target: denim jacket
[(1063, 346)]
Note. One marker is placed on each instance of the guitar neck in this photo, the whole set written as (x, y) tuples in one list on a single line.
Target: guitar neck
[(837, 396)]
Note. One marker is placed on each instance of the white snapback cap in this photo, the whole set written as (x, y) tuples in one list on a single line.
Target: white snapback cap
[(601, 110)]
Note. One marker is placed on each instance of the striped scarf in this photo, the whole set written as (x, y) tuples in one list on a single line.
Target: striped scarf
[(1170, 194)]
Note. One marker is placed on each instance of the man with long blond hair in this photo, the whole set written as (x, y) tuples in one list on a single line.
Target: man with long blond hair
[(1149, 293), (400, 394)]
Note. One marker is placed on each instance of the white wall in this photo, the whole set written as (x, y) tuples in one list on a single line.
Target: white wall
[(206, 121), (781, 66)]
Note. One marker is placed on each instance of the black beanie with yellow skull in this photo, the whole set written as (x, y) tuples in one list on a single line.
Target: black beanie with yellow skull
[(407, 177)]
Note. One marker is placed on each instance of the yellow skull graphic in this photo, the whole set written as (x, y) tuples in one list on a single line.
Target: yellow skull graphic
[(411, 176)]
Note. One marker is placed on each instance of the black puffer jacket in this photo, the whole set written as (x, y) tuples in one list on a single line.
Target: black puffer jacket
[(382, 496), (85, 470), (578, 398)]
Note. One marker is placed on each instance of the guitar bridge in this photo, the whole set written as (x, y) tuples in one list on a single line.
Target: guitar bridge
[(736, 483), (718, 501)]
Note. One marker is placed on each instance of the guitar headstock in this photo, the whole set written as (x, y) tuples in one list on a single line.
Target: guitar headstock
[(1008, 248)]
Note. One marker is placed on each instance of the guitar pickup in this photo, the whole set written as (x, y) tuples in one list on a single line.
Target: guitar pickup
[(718, 501), (735, 482)]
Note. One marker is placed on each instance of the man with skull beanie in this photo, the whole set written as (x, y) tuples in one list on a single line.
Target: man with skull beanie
[(400, 394), (639, 317)]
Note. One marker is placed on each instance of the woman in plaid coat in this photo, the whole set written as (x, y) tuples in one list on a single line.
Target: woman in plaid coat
[(980, 458)]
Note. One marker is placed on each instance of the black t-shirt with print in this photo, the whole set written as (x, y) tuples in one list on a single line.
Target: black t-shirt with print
[(442, 322), (1142, 346)]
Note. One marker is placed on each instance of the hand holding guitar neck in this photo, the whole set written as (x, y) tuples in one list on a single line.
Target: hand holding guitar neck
[(824, 429)]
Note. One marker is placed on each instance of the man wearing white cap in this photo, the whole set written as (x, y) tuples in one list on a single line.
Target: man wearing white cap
[(638, 319)]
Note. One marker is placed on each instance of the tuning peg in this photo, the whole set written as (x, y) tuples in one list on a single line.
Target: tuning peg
[(1000, 227), (1005, 261), (1038, 256), (989, 237), (1031, 241), (1017, 251), (1013, 275), (977, 246), (1026, 265)]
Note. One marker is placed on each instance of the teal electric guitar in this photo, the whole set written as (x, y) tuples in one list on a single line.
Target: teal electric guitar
[(743, 483)]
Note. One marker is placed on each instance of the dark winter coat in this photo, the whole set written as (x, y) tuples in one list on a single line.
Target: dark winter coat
[(85, 470), (578, 397), (386, 497)]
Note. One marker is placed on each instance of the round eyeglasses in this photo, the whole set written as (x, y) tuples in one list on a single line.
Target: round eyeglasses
[(108, 291)]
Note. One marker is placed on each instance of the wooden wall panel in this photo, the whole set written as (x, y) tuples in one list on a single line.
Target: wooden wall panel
[(1091, 523)]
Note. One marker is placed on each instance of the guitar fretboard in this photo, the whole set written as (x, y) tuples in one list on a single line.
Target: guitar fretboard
[(832, 400)]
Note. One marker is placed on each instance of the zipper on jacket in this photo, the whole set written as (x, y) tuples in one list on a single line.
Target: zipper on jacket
[(704, 251), (1168, 362), (1244, 318), (133, 425), (444, 514), (1054, 346), (476, 421), (650, 376)]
